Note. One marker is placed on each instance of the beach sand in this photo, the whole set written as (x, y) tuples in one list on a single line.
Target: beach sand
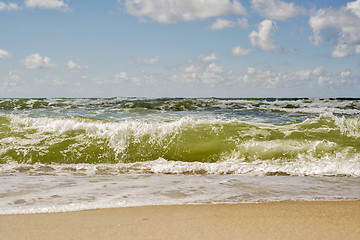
[(283, 220)]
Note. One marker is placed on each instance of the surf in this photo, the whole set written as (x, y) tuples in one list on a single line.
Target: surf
[(326, 142)]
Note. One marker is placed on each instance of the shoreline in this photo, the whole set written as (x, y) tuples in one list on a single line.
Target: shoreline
[(274, 220)]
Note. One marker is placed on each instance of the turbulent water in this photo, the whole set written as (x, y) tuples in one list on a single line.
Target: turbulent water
[(206, 137)]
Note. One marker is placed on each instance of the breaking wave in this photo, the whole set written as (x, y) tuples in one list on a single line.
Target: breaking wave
[(325, 145)]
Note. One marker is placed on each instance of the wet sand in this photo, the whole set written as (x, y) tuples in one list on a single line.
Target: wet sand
[(284, 220)]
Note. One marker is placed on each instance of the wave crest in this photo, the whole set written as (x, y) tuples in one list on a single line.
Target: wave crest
[(324, 142)]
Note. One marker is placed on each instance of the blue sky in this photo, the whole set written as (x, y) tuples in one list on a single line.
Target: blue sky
[(179, 48)]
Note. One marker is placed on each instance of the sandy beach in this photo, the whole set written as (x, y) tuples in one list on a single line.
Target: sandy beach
[(283, 220)]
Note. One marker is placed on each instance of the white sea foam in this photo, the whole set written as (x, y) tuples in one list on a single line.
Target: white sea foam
[(306, 165), (348, 126), (42, 194), (314, 106)]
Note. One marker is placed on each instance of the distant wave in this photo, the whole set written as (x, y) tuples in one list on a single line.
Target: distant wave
[(336, 105)]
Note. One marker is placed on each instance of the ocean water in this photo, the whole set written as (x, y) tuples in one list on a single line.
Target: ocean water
[(74, 154)]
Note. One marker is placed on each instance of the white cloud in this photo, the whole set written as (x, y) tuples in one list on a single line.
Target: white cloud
[(50, 4), (72, 66), (214, 75), (305, 75), (238, 51), (58, 82), (261, 39), (14, 75), (53, 81), (191, 69), (199, 74), (354, 6), (147, 60), (171, 11), (208, 74), (320, 78), (210, 58), (302, 74), (310, 78), (268, 79), (318, 71), (222, 23), (345, 74), (345, 22), (242, 22), (12, 81), (251, 70), (35, 61), (8, 6), (4, 54), (260, 78), (121, 76), (213, 68), (276, 9), (323, 79)]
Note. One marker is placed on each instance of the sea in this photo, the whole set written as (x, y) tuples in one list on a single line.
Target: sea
[(71, 154)]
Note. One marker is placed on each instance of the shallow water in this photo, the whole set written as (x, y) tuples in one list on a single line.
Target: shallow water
[(41, 194)]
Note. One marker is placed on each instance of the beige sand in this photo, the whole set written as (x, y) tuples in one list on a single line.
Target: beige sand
[(287, 220)]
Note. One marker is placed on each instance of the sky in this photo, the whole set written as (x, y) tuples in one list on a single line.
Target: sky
[(179, 48)]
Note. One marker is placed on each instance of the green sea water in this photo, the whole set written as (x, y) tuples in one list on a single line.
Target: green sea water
[(285, 132)]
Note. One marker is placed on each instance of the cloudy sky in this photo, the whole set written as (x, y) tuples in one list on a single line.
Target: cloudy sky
[(179, 48)]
